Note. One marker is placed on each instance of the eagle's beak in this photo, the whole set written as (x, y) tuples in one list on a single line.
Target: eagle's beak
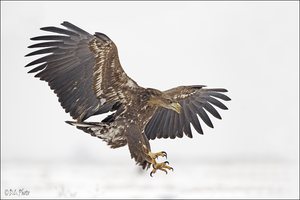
[(176, 107)]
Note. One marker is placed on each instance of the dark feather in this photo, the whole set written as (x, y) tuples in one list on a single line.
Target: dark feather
[(203, 115), (176, 126), (180, 125), (53, 37), (102, 36), (194, 119), (74, 28), (219, 95), (49, 44), (59, 30), (47, 58), (161, 124), (36, 69), (186, 123), (216, 102), (153, 129), (42, 51), (211, 110), (217, 90), (168, 127)]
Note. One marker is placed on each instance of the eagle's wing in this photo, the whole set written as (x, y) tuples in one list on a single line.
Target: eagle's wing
[(195, 100), (82, 69)]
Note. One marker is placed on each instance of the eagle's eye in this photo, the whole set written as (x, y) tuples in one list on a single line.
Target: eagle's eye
[(169, 101)]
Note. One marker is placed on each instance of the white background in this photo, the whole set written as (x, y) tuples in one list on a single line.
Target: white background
[(250, 48)]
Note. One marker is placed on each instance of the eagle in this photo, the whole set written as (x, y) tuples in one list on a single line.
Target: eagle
[(85, 73)]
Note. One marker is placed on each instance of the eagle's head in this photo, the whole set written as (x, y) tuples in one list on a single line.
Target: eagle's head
[(160, 99)]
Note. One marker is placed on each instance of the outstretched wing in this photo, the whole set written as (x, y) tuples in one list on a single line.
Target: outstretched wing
[(82, 69), (195, 100)]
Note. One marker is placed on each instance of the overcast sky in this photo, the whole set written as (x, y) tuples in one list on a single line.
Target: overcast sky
[(250, 48)]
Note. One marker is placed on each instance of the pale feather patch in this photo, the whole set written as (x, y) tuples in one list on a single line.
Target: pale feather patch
[(102, 101), (101, 52), (130, 83), (145, 107), (184, 95)]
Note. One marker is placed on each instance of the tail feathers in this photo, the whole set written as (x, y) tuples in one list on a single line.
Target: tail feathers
[(82, 124), (93, 128), (112, 135)]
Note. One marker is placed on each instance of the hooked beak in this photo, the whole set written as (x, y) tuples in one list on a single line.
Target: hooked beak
[(176, 107)]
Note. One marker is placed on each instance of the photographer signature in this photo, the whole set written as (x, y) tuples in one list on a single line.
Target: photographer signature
[(16, 192)]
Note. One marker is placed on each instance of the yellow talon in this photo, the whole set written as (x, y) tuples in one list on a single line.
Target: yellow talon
[(158, 154), (159, 166)]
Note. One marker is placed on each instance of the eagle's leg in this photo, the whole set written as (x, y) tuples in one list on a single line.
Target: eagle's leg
[(157, 166)]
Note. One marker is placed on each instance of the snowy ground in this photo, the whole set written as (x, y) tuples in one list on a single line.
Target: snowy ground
[(210, 178)]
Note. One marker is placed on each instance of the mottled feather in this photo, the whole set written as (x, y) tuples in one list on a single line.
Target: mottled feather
[(82, 69)]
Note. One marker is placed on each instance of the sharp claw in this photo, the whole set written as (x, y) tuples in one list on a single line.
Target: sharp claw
[(164, 166)]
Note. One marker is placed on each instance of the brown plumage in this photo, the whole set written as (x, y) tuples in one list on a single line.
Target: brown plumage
[(85, 72)]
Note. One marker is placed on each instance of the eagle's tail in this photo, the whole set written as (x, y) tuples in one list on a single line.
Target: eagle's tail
[(102, 131), (89, 127), (82, 124)]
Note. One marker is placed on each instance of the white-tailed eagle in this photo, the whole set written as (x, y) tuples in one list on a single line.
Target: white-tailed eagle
[(84, 71)]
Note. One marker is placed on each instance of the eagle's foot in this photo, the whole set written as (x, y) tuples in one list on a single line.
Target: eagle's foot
[(156, 155), (158, 166), (161, 166)]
